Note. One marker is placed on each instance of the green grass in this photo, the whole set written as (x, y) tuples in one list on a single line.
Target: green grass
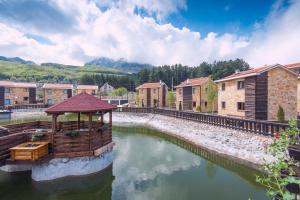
[(51, 73)]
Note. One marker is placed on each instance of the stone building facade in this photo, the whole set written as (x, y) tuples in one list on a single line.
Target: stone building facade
[(55, 93), (191, 94), (152, 94), (258, 93), (90, 89), (296, 68), (16, 93)]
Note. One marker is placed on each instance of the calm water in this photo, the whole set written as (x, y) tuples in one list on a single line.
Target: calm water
[(146, 166)]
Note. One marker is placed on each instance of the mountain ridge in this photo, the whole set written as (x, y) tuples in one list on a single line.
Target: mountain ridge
[(120, 64)]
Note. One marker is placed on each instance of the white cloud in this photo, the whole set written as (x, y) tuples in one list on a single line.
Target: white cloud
[(118, 31)]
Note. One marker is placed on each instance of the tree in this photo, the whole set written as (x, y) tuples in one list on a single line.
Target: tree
[(280, 114), (119, 91), (137, 99), (171, 98), (212, 93)]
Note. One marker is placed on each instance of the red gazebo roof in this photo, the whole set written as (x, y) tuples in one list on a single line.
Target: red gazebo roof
[(82, 102)]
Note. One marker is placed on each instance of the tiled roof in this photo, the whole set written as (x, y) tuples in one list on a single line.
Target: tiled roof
[(293, 65), (82, 102), (87, 87), (194, 81), (57, 86), (150, 85), (251, 71), (256, 71), (17, 84)]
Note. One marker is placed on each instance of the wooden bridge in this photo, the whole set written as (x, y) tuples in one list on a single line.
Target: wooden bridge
[(252, 126)]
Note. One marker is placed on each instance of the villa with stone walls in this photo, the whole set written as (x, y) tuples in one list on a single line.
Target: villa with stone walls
[(89, 89), (17, 93), (56, 93), (191, 94), (152, 94), (258, 93)]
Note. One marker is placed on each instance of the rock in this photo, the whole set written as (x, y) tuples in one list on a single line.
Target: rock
[(62, 167)]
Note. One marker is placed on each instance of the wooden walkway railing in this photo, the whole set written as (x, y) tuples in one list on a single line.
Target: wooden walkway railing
[(253, 126)]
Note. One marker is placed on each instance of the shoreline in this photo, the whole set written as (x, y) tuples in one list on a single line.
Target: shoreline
[(245, 148)]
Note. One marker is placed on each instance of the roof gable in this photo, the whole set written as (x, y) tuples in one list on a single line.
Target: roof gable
[(17, 84), (57, 86), (151, 85)]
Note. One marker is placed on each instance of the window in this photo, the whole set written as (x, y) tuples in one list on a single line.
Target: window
[(7, 102), (65, 91), (93, 92), (49, 92), (7, 90), (49, 102), (194, 90), (205, 104), (194, 104), (223, 86), (241, 106), (25, 89), (223, 105), (25, 98), (240, 85)]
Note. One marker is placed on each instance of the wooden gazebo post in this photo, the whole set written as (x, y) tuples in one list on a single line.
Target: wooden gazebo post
[(90, 129), (54, 127), (78, 121)]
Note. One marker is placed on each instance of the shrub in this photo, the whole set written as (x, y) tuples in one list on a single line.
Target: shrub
[(280, 114), (198, 108), (72, 133)]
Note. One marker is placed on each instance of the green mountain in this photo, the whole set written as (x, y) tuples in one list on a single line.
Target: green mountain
[(51, 72)]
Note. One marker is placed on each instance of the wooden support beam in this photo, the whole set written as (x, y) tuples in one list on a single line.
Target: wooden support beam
[(110, 118), (78, 121)]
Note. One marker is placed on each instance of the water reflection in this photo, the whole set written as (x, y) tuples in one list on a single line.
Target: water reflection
[(146, 166)]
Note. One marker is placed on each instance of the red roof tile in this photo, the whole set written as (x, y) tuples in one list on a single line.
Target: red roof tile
[(17, 84), (251, 71), (194, 81), (150, 85), (57, 86), (293, 65), (82, 102)]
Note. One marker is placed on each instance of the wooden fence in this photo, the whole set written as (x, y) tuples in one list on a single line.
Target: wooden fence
[(253, 126)]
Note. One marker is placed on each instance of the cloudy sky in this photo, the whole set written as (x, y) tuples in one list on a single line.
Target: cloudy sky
[(151, 31)]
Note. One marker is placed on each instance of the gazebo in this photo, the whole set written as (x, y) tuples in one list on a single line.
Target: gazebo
[(80, 138)]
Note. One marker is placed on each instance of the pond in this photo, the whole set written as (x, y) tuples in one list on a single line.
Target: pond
[(147, 165)]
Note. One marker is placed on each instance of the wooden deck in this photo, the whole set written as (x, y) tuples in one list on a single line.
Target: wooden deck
[(252, 126)]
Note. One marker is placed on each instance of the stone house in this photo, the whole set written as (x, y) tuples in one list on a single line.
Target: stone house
[(89, 89), (191, 94), (296, 68), (152, 94), (14, 93), (258, 93), (106, 88), (55, 93)]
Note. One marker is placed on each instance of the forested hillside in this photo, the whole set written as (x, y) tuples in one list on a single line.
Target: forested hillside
[(51, 72)]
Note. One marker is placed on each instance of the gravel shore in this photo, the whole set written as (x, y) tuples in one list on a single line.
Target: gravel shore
[(247, 147)]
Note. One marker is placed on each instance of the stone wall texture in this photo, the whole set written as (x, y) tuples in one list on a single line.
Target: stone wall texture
[(17, 95), (230, 96), (156, 95), (56, 95), (282, 91), (88, 91)]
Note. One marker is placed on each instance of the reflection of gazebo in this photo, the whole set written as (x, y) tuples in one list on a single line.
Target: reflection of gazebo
[(80, 138)]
